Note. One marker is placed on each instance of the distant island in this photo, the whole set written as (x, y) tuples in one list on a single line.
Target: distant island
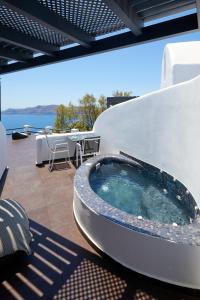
[(37, 110)]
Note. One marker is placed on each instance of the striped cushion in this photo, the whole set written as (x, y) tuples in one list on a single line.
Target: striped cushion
[(14, 228)]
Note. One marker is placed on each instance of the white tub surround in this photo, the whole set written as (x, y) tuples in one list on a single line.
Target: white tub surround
[(157, 250), (3, 150), (151, 256), (42, 149)]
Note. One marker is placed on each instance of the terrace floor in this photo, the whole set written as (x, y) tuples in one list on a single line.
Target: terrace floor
[(63, 265)]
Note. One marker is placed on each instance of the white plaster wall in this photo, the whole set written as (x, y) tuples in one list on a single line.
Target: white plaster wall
[(181, 62), (161, 128), (3, 150)]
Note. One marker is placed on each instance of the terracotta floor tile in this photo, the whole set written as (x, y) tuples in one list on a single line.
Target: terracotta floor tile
[(47, 196), (41, 216)]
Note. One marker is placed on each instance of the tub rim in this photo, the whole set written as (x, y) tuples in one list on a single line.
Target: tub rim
[(184, 234)]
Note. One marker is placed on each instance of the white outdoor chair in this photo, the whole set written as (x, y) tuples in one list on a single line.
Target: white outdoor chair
[(56, 148), (88, 147)]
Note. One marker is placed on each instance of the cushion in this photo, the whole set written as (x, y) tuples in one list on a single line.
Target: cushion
[(14, 228)]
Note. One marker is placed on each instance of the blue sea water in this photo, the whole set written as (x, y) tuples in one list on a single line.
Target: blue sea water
[(11, 121)]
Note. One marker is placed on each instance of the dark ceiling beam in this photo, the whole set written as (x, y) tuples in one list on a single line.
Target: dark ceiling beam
[(20, 39), (198, 12), (151, 33), (166, 9), (136, 2), (13, 54), (127, 14), (3, 62), (155, 15), (150, 4), (44, 16)]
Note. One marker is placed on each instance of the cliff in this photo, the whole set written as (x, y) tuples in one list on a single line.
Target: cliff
[(39, 109)]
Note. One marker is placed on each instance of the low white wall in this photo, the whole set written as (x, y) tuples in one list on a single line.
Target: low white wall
[(3, 150), (161, 128), (43, 151)]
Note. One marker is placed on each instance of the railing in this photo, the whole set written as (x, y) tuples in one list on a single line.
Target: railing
[(30, 130)]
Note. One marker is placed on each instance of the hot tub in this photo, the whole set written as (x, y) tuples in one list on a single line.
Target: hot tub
[(141, 217)]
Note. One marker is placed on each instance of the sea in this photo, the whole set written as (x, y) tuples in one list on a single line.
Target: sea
[(12, 121)]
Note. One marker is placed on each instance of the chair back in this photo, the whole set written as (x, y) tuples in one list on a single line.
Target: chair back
[(48, 143), (91, 145), (61, 147), (60, 143)]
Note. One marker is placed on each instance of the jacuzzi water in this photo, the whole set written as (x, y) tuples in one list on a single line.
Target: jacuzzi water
[(125, 187)]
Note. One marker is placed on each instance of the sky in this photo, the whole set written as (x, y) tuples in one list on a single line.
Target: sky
[(136, 69)]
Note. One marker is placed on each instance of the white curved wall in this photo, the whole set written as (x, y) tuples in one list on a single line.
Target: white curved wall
[(181, 62), (3, 150), (161, 128)]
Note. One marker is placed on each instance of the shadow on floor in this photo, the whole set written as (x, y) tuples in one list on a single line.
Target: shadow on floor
[(59, 165), (60, 269), (3, 180)]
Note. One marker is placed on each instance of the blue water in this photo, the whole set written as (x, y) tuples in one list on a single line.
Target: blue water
[(125, 187), (17, 121)]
